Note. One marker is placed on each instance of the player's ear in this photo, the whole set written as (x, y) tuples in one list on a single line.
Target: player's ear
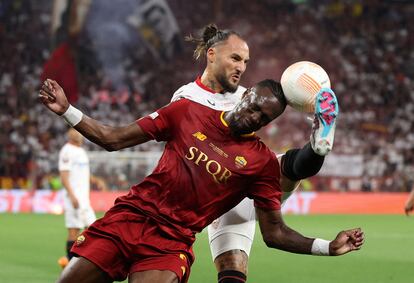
[(211, 55)]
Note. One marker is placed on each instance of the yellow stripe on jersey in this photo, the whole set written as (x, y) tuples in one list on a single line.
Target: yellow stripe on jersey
[(227, 125)]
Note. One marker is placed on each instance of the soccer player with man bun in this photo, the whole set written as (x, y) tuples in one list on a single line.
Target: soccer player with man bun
[(231, 235), (212, 160)]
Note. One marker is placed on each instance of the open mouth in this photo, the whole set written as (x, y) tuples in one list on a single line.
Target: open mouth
[(235, 78)]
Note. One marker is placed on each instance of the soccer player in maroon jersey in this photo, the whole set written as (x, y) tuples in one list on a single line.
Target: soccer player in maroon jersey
[(212, 160), (226, 54)]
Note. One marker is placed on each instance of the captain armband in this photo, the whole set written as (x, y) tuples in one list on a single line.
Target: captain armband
[(72, 116), (320, 247)]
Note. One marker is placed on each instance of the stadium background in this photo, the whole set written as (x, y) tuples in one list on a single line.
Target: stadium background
[(119, 60)]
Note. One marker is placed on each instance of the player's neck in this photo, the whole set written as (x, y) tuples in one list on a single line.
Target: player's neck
[(75, 143), (210, 82)]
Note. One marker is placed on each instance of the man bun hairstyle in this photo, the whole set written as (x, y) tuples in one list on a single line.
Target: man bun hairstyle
[(211, 35)]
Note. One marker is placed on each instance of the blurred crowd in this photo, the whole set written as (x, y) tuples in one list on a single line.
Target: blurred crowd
[(367, 48)]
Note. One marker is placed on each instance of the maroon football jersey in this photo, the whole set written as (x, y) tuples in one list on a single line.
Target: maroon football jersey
[(204, 170)]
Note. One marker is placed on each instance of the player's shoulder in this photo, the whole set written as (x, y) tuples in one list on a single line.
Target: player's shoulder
[(70, 149), (268, 154), (240, 90), (175, 108), (66, 153), (67, 147), (185, 91)]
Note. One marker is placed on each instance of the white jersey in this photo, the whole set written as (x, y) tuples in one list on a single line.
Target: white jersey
[(196, 92), (75, 160)]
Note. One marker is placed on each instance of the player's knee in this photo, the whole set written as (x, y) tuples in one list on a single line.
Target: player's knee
[(232, 260)]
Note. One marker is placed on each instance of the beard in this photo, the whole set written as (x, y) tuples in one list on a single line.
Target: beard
[(226, 84), (236, 128)]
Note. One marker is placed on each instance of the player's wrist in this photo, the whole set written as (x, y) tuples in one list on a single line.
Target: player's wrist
[(320, 247), (72, 116)]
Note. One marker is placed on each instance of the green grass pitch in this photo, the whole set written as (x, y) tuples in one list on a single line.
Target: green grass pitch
[(31, 244)]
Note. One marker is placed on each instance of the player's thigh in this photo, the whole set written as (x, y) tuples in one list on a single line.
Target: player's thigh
[(236, 220), (288, 185), (234, 230), (150, 276), (81, 270)]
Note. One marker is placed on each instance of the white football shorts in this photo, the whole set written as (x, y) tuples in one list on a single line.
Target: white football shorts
[(234, 230), (79, 218)]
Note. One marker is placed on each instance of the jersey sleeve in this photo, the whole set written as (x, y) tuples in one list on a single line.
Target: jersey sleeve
[(65, 160), (160, 124), (265, 189)]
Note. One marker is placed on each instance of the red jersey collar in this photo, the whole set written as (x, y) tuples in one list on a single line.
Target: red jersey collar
[(203, 86)]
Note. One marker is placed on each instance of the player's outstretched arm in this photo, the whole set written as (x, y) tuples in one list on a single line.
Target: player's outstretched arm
[(276, 234), (110, 138)]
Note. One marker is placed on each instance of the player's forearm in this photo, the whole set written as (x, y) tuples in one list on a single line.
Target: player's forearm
[(98, 133), (276, 234), (286, 239), (64, 177), (108, 137)]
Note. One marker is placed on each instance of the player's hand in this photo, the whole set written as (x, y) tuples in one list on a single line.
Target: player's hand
[(74, 201), (408, 208), (346, 241), (53, 97)]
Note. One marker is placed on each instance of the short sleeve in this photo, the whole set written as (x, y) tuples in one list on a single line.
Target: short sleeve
[(265, 189), (160, 124), (65, 160)]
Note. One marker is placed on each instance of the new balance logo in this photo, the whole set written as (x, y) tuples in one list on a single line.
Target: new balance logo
[(200, 136)]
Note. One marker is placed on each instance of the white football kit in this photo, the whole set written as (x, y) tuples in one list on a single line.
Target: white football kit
[(235, 229), (75, 160)]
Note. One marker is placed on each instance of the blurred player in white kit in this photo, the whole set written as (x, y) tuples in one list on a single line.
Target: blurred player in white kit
[(76, 178)]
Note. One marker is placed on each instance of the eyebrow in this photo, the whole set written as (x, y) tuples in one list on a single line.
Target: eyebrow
[(238, 57), (263, 113)]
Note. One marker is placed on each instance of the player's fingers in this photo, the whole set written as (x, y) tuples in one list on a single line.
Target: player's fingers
[(44, 99), (351, 233), (55, 85), (358, 232), (46, 89), (359, 243), (49, 85), (43, 94), (358, 235), (47, 95)]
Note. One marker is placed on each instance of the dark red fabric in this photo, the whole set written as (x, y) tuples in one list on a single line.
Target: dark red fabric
[(123, 242), (61, 67), (203, 172)]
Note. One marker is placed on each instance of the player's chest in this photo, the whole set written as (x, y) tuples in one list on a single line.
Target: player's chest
[(222, 160), (80, 160)]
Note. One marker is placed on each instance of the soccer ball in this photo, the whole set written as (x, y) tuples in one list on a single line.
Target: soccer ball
[(301, 82)]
